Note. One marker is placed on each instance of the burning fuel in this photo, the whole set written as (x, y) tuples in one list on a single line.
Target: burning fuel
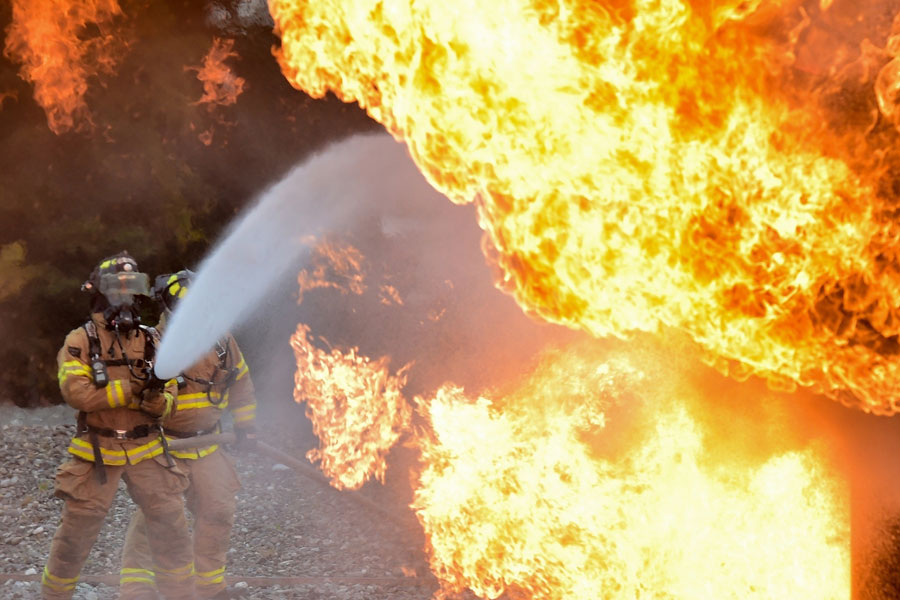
[(651, 164)]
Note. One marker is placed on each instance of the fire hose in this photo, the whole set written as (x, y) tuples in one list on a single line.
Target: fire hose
[(299, 467)]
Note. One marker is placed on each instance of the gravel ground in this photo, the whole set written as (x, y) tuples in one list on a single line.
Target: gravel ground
[(287, 525)]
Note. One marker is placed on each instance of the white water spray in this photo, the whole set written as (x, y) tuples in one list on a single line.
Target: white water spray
[(358, 177)]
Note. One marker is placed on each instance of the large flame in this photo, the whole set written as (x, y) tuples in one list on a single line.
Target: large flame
[(61, 45), (646, 163), (566, 489), (356, 408)]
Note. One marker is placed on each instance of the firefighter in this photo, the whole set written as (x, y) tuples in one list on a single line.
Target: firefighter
[(219, 380), (104, 373)]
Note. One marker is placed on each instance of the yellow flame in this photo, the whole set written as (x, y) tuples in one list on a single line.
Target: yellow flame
[(48, 39), (543, 493), (356, 408), (636, 164)]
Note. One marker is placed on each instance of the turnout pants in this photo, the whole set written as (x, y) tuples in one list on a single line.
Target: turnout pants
[(156, 489), (211, 500)]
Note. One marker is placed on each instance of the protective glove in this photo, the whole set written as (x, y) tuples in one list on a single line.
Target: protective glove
[(245, 439), (157, 403)]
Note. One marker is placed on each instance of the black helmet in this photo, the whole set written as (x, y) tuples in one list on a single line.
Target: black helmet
[(114, 285), (168, 289)]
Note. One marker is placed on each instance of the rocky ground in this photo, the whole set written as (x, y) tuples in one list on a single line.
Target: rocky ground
[(287, 525)]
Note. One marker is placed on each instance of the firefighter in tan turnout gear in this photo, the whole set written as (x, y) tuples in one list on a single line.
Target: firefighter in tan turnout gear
[(104, 373), (219, 380)]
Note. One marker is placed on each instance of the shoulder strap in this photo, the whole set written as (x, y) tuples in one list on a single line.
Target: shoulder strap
[(151, 337), (93, 340), (98, 365), (222, 353)]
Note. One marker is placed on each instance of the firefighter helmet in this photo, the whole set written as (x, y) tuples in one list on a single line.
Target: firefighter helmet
[(168, 289)]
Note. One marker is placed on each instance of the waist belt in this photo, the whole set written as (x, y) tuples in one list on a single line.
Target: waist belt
[(121, 434), (190, 434)]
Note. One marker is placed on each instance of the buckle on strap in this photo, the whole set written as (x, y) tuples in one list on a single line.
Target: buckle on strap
[(120, 434)]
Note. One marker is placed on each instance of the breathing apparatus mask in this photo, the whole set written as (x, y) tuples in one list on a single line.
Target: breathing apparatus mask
[(121, 291), (115, 285)]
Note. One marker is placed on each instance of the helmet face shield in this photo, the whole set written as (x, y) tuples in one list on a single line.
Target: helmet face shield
[(121, 288)]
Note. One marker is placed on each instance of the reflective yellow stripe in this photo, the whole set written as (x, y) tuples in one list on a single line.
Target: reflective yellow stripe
[(58, 584), (244, 413), (115, 395), (193, 453), (199, 396), (83, 449), (242, 368), (73, 363), (129, 575), (136, 455), (211, 577), (133, 571), (73, 368), (136, 579), (202, 400), (56, 579), (191, 405)]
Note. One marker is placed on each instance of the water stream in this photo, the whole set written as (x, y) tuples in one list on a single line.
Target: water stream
[(360, 176)]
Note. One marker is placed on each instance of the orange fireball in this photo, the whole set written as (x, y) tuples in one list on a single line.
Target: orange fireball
[(644, 164)]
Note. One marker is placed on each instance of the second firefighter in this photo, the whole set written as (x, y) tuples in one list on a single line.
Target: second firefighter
[(220, 380)]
